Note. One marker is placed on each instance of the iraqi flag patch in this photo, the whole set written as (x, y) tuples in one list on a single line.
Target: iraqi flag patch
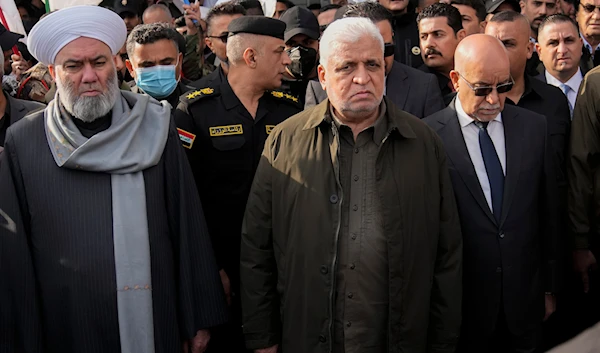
[(187, 138)]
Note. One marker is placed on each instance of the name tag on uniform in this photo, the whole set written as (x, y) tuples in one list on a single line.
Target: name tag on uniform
[(269, 128), (226, 130), (187, 138)]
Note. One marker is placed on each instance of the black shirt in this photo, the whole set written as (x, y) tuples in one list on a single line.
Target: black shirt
[(224, 145), (406, 39), (444, 83), (549, 101), (296, 88), (213, 80), (92, 128)]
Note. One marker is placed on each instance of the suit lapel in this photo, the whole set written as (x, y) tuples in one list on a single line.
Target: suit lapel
[(513, 138), (457, 151), (397, 86)]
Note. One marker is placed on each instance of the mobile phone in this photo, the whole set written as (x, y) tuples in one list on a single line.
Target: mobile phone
[(187, 2)]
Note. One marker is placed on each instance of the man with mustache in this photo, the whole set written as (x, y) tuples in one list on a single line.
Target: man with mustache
[(440, 31), (223, 129), (588, 18), (351, 242), (111, 251), (503, 178), (536, 11)]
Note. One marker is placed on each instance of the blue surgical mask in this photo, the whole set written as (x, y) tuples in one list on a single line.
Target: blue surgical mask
[(158, 81)]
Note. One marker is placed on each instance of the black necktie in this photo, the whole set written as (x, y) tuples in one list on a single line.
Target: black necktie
[(493, 168)]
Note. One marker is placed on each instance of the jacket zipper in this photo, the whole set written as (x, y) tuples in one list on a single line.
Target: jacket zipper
[(336, 169)]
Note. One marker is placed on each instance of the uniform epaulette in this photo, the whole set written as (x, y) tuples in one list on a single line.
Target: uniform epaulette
[(286, 97), (194, 95)]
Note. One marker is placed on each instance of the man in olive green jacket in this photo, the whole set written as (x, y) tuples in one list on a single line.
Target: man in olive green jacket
[(351, 240)]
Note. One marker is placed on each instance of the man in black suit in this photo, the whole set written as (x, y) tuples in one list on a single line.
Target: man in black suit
[(511, 29), (410, 89), (505, 189)]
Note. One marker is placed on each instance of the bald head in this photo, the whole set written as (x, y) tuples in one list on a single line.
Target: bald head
[(517, 22), (512, 29), (157, 13), (478, 51), (481, 76)]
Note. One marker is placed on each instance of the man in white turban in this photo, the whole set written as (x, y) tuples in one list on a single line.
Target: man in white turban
[(111, 251)]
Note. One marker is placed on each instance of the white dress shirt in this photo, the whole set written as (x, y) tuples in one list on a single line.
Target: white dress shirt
[(573, 84), (470, 133)]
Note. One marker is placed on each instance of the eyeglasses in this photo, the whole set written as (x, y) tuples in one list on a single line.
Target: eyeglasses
[(388, 49), (322, 28), (589, 8), (483, 91), (222, 37)]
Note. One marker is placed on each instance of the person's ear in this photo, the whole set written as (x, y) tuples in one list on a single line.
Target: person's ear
[(52, 71), (179, 67), (321, 75), (482, 25), (130, 68), (529, 50), (461, 34), (250, 57), (455, 79)]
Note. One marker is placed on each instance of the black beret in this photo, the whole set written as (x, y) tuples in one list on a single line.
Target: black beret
[(264, 26)]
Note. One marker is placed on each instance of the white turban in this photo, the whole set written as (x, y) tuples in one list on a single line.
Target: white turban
[(55, 31)]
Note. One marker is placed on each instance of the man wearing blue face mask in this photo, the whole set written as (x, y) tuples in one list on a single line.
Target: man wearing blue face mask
[(155, 62)]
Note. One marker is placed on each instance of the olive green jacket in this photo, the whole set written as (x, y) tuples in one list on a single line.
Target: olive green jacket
[(292, 224)]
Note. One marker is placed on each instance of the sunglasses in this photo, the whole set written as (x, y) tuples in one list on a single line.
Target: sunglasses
[(388, 49), (589, 8), (483, 91), (222, 37)]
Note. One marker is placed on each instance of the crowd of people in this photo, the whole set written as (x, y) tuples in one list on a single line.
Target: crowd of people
[(369, 177)]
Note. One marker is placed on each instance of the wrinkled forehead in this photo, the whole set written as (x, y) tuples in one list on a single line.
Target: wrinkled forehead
[(482, 74), (362, 50), (83, 48)]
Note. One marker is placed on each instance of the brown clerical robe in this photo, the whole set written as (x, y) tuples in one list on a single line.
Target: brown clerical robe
[(57, 273)]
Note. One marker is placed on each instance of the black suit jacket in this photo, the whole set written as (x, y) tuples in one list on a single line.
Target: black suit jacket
[(409, 89), (18, 109), (513, 263)]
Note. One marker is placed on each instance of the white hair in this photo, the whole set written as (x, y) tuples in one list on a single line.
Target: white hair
[(237, 45), (88, 109), (345, 31)]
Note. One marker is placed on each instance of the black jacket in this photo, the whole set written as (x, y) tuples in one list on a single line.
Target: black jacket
[(406, 39), (15, 110)]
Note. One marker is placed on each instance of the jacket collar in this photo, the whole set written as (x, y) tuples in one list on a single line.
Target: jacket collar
[(397, 122)]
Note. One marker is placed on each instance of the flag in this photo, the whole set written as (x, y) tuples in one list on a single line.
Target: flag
[(52, 5), (11, 19)]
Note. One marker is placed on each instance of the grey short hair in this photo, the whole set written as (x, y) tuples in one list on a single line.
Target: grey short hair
[(345, 31), (237, 45)]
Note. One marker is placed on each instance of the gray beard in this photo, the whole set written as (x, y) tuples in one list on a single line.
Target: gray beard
[(88, 109)]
